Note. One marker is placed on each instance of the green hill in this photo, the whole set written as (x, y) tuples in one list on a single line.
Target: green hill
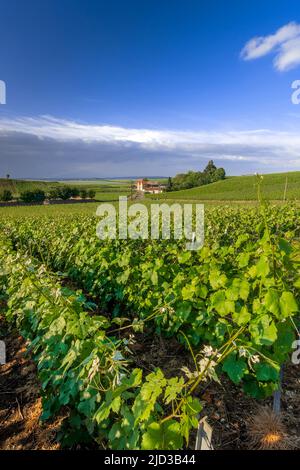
[(19, 186), (243, 188)]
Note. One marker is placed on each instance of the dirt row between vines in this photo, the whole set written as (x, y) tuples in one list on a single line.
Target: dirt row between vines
[(227, 408)]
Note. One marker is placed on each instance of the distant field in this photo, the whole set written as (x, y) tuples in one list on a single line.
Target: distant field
[(110, 195), (98, 183), (235, 191), (242, 188), (107, 190)]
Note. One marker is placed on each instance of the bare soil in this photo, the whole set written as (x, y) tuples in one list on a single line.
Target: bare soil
[(20, 401)]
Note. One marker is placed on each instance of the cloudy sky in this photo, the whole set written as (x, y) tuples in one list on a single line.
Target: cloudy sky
[(102, 89)]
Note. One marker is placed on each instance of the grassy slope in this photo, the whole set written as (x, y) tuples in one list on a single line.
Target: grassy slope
[(18, 186), (243, 188)]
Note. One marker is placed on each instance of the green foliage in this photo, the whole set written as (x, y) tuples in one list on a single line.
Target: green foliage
[(64, 192), (238, 295), (84, 368), (163, 436), (33, 196), (83, 193), (91, 193), (169, 186), (235, 367), (196, 178), (242, 188), (18, 186), (6, 195)]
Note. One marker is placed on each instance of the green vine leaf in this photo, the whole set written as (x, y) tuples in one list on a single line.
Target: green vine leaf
[(235, 367), (166, 436), (263, 330), (288, 304), (272, 302), (173, 389), (146, 399)]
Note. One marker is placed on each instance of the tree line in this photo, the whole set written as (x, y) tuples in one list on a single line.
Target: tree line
[(38, 195), (193, 179)]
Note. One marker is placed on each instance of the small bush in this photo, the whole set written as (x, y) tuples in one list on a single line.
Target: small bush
[(53, 194), (75, 192), (91, 194), (6, 196), (64, 192), (33, 196), (83, 193)]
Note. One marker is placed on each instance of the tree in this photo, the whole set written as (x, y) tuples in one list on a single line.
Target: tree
[(193, 179), (220, 174), (75, 192), (210, 167), (169, 186), (83, 193), (65, 192), (6, 195), (7, 176), (33, 196), (91, 194), (26, 196), (53, 194), (39, 195)]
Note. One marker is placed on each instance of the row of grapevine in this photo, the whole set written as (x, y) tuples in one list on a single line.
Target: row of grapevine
[(85, 369), (244, 280)]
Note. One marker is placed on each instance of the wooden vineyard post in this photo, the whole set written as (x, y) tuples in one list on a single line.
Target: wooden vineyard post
[(204, 435), (277, 394)]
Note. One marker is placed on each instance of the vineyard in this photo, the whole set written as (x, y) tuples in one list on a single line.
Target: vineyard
[(85, 306)]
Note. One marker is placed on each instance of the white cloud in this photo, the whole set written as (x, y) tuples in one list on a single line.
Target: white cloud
[(67, 142), (289, 55), (285, 42)]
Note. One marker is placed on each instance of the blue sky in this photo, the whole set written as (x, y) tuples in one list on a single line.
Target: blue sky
[(118, 88)]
